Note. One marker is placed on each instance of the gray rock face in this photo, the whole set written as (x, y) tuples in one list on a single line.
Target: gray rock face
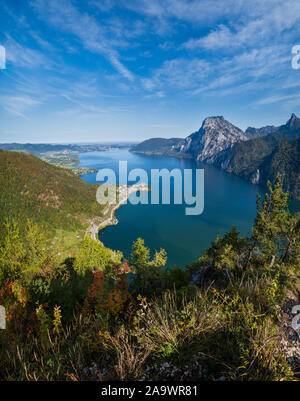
[(292, 124), (258, 132), (215, 135)]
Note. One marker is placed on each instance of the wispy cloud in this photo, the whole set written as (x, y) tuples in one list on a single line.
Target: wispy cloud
[(275, 99), (74, 59), (195, 11), (180, 73), (278, 24), (64, 16), (246, 70), (18, 105), (22, 56)]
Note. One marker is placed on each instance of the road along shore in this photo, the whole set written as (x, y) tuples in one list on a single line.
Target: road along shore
[(123, 194)]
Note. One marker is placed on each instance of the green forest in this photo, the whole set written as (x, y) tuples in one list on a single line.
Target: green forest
[(95, 316), (55, 199)]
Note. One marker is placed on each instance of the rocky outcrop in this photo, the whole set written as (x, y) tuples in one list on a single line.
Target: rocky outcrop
[(256, 155), (252, 132), (260, 160), (215, 135), (293, 124)]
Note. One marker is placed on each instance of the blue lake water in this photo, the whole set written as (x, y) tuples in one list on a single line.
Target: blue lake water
[(228, 201)]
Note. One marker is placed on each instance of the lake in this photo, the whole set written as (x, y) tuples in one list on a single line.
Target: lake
[(228, 201)]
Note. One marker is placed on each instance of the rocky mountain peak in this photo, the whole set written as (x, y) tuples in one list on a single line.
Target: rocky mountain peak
[(215, 135), (212, 120), (293, 123), (217, 125)]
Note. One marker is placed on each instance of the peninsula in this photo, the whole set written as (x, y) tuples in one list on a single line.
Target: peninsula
[(123, 193)]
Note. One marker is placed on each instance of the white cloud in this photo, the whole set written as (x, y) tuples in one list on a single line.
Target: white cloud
[(220, 37), (18, 105), (203, 12), (22, 56), (276, 99), (247, 70), (246, 49), (277, 24), (148, 84), (66, 17), (180, 73)]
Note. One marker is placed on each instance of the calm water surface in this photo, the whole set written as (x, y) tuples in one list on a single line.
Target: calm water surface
[(228, 201)]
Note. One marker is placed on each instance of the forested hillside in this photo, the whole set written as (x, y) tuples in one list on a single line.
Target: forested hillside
[(158, 146), (95, 316), (285, 160), (51, 196), (260, 160)]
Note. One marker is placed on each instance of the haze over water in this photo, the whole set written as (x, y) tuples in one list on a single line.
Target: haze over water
[(228, 201)]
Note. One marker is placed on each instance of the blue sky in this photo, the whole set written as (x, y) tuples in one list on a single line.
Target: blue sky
[(127, 70)]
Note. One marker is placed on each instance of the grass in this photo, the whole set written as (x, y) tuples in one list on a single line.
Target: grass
[(67, 241)]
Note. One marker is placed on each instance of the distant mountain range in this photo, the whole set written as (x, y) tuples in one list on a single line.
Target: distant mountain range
[(256, 155), (38, 148)]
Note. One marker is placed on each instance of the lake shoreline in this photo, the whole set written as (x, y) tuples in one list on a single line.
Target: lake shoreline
[(229, 201), (123, 192)]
